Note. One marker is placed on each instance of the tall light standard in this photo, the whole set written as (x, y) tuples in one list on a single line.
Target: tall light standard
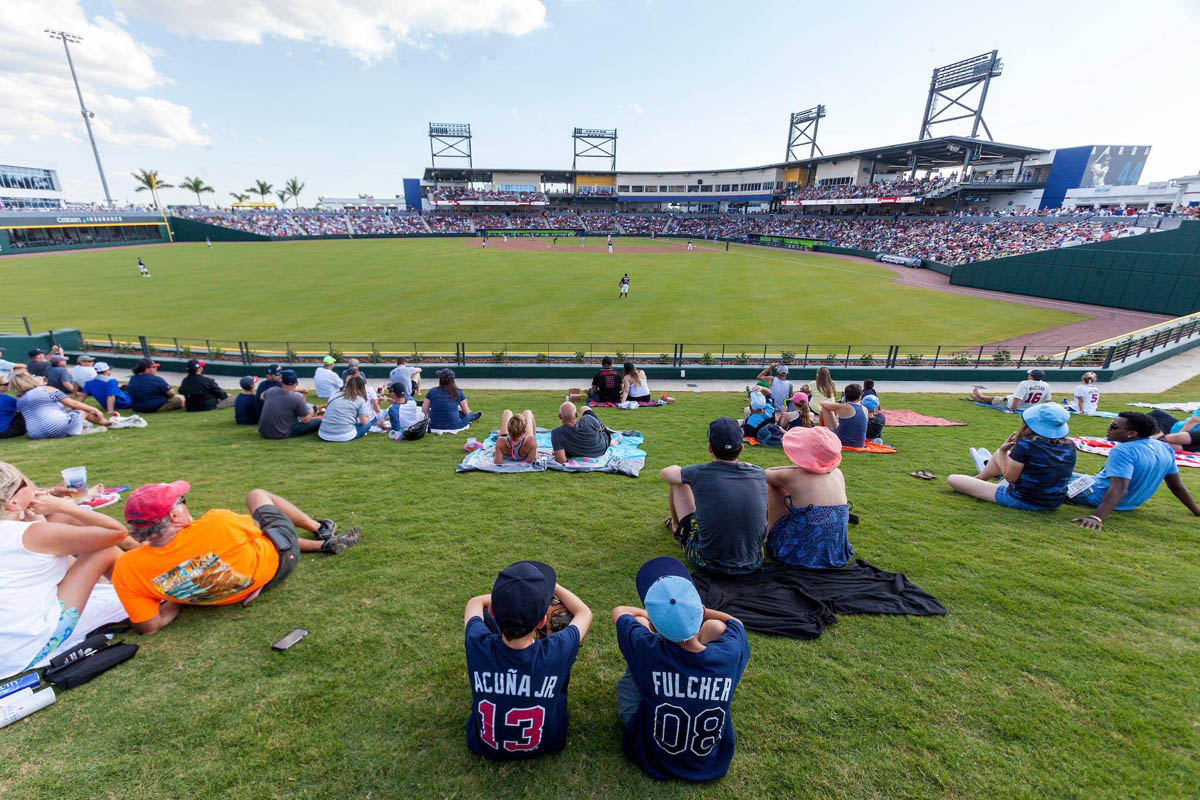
[(87, 115)]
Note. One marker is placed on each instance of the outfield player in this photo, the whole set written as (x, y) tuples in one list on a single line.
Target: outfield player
[(624, 287), (519, 681), (581, 241), (610, 246), (1029, 392), (142, 271), (208, 242), (689, 245), (684, 662)]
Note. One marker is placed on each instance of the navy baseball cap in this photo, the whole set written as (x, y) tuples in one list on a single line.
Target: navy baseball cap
[(725, 435), (273, 369), (398, 389), (194, 364), (144, 364), (1037, 374), (521, 595), (289, 377), (670, 598), (37, 351), (247, 382)]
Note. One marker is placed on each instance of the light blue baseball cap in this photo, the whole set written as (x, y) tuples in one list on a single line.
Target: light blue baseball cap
[(1047, 419), (871, 402), (757, 401), (670, 598)]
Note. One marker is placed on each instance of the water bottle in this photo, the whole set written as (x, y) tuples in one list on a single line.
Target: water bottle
[(23, 703)]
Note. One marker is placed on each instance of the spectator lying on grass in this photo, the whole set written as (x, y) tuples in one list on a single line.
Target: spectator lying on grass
[(579, 435), (220, 558)]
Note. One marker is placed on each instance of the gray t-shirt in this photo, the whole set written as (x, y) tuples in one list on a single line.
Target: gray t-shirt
[(341, 417), (281, 410), (731, 513), (588, 438), (56, 375), (402, 375)]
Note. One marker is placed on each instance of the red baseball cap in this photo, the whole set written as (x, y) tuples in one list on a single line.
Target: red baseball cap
[(150, 503)]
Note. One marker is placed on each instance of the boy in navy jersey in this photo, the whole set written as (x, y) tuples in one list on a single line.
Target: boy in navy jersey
[(518, 681), (684, 662)]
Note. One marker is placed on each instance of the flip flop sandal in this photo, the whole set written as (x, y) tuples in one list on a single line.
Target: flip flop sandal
[(923, 475)]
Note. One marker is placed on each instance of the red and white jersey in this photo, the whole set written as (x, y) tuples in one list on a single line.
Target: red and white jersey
[(1033, 392)]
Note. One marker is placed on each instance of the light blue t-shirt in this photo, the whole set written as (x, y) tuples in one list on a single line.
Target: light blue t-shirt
[(1143, 462)]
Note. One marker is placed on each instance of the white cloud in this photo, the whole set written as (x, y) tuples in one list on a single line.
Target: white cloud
[(367, 29), (39, 99), (635, 108)]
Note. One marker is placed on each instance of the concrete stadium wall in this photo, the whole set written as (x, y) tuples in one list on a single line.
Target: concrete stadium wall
[(1157, 273)]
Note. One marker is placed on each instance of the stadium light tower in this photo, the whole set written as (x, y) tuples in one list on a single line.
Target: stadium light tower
[(87, 115), (595, 143), (967, 75), (802, 130), (450, 140)]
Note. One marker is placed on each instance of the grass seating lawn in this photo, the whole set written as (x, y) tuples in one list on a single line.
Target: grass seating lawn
[(1068, 667)]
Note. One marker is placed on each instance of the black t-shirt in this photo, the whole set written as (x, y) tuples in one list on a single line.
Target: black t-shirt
[(38, 368), (201, 393), (262, 388), (608, 385)]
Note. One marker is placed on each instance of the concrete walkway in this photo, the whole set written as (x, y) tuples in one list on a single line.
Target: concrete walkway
[(1152, 380)]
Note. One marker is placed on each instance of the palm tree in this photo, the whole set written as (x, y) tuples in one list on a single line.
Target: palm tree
[(147, 179), (283, 196), (238, 197), (294, 188), (196, 185), (260, 188)]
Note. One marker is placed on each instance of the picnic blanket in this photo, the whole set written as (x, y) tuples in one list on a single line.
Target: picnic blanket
[(1101, 447), (903, 418), (1101, 414), (649, 404), (1097, 413), (440, 431), (624, 456), (1190, 408), (870, 447), (800, 602)]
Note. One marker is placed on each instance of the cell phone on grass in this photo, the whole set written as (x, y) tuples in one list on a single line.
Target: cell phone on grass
[(290, 639)]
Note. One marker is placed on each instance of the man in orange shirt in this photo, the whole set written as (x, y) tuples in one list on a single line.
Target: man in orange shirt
[(219, 559)]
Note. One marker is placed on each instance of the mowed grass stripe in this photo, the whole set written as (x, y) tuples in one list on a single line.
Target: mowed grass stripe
[(1068, 667), (447, 290)]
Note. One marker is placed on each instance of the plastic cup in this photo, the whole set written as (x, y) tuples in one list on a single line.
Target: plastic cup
[(75, 478)]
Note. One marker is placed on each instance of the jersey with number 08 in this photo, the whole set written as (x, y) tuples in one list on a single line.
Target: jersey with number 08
[(518, 697), (682, 728)]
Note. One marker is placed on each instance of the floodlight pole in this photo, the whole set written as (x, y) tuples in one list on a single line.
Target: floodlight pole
[(82, 108)]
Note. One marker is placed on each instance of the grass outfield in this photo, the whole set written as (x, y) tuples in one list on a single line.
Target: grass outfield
[(1068, 667), (449, 290)]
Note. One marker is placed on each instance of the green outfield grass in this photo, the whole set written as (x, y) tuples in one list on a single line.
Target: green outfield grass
[(1068, 667), (449, 290)]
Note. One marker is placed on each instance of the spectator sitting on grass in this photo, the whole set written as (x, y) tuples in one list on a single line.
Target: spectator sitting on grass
[(12, 424), (800, 417), (519, 607), (606, 384), (48, 413), (245, 405), (404, 412), (285, 412), (348, 415), (875, 419), (149, 393), (634, 385), (518, 440), (1036, 463), (105, 390), (326, 382), (352, 368), (52, 556), (849, 419), (719, 509), (780, 387), (83, 371), (58, 376), (409, 376), (682, 664), (37, 363), (821, 390), (579, 435), (272, 381), (1135, 467), (760, 412), (1086, 397), (6, 367), (808, 515), (1030, 392), (201, 393), (446, 405), (226, 557)]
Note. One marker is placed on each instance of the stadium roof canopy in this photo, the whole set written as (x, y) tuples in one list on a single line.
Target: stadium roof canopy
[(941, 152)]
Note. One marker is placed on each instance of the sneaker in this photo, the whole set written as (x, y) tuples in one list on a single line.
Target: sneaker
[(475, 416), (342, 542), (980, 456), (327, 529)]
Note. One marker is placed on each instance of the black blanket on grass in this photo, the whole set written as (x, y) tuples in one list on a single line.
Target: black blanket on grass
[(799, 602)]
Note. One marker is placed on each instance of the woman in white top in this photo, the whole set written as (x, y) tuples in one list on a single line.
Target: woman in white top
[(1087, 396), (47, 601), (634, 385)]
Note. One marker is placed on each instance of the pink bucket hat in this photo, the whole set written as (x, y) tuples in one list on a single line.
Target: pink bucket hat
[(813, 449), (799, 397)]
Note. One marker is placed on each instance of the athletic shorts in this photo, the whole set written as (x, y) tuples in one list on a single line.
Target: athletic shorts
[(281, 532), (688, 534), (1005, 497)]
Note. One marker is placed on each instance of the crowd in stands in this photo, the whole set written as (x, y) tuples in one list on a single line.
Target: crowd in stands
[(897, 188), (308, 222), (449, 223), (446, 194)]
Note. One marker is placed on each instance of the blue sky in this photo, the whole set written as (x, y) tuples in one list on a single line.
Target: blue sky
[(339, 92)]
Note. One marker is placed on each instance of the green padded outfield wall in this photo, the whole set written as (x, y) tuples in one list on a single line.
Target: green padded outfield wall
[(190, 230), (1155, 272)]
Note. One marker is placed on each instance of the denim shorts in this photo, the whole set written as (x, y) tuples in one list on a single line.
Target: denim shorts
[(1005, 497)]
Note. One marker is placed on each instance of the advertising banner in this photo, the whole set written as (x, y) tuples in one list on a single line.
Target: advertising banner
[(519, 232), (477, 203), (1114, 165), (903, 261), (55, 219), (790, 242)]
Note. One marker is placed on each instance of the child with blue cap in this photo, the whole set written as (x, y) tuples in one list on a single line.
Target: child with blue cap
[(1036, 464), (684, 662)]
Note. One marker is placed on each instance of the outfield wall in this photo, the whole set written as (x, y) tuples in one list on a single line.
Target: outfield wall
[(1157, 273)]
